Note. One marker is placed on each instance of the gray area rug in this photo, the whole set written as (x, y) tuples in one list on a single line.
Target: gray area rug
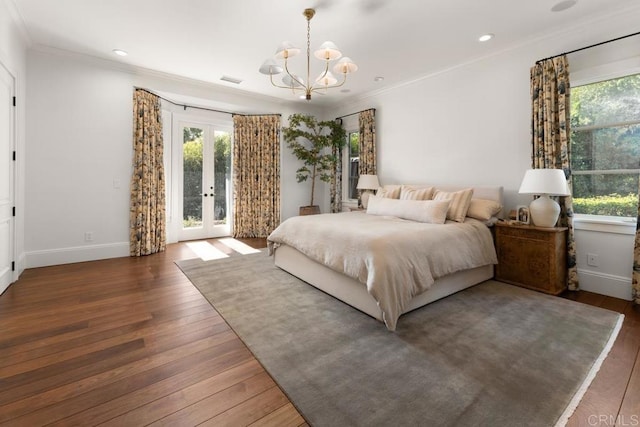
[(492, 355)]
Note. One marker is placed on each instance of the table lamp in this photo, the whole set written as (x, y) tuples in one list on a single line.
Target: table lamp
[(367, 183), (544, 211)]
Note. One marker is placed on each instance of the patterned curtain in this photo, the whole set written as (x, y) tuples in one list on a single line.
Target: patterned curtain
[(335, 191), (367, 164), (635, 290), (550, 132), (256, 175), (147, 223)]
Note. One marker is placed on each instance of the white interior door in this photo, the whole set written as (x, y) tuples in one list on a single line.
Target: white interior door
[(205, 173), (7, 201)]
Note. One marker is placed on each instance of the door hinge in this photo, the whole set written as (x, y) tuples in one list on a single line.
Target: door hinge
[(14, 101), (14, 211), (13, 266), (14, 155)]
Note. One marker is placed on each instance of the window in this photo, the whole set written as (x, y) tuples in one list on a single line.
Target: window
[(605, 147), (353, 149)]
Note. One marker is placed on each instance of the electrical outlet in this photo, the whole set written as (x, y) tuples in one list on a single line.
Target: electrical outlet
[(592, 260), (88, 236)]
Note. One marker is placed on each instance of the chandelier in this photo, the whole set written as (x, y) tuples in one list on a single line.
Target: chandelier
[(326, 80)]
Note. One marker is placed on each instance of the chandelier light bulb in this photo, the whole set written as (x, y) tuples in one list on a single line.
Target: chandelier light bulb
[(328, 51), (326, 79)]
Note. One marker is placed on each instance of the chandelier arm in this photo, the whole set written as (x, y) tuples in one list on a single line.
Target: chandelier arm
[(283, 87), (326, 70), (293, 77)]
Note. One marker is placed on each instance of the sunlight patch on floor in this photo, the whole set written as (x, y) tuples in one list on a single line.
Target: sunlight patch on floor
[(206, 251), (238, 246)]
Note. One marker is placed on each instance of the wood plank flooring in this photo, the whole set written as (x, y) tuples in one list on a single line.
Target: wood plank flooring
[(129, 342)]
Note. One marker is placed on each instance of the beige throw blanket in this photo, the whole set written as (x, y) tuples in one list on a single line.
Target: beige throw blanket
[(397, 259)]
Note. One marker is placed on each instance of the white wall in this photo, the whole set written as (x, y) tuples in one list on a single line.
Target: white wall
[(470, 125), (13, 54), (80, 150)]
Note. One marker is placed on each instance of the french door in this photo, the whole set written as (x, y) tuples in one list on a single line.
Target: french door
[(205, 172)]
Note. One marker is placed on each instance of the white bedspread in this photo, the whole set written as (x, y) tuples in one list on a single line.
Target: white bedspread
[(396, 259)]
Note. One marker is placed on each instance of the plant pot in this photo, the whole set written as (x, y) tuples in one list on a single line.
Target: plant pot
[(309, 210)]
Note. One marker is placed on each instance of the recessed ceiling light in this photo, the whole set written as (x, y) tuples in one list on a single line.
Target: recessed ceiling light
[(378, 79), (563, 5), (120, 52), (485, 37)]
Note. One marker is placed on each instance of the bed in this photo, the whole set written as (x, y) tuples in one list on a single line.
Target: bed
[(387, 265)]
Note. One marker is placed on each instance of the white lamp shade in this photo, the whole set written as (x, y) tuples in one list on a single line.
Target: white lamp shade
[(328, 51), (368, 182), (270, 66), (345, 66), (544, 181), (291, 81), (286, 50), (326, 79)]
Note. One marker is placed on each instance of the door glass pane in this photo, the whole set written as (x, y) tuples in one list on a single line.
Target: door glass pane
[(192, 169), (222, 177)]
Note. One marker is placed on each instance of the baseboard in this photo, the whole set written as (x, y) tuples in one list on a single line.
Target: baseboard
[(59, 256), (605, 284), (21, 265)]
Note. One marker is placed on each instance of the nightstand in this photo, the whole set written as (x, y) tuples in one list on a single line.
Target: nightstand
[(532, 257)]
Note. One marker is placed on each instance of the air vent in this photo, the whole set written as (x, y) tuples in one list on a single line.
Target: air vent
[(231, 80)]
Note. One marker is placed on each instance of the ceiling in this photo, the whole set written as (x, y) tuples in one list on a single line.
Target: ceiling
[(208, 39)]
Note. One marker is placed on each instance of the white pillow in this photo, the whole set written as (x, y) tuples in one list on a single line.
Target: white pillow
[(408, 192), (430, 211), (460, 201), (483, 209)]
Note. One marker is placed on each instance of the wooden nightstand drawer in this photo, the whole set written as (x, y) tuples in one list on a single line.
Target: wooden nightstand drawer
[(532, 257)]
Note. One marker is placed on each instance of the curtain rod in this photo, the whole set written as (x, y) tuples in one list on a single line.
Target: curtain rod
[(357, 112), (589, 47), (185, 106)]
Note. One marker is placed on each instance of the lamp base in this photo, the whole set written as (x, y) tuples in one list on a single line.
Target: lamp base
[(544, 211), (364, 198)]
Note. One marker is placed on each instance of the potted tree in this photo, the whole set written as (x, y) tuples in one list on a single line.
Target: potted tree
[(311, 141)]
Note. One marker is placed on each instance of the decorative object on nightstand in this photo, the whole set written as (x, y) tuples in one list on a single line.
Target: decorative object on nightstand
[(367, 183), (544, 182), (532, 257)]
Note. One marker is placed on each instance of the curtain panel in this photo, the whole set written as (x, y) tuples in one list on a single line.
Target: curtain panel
[(335, 190), (256, 175), (367, 164), (551, 109), (147, 221)]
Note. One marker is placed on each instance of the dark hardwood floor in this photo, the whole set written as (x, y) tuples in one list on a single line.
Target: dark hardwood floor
[(129, 341)]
